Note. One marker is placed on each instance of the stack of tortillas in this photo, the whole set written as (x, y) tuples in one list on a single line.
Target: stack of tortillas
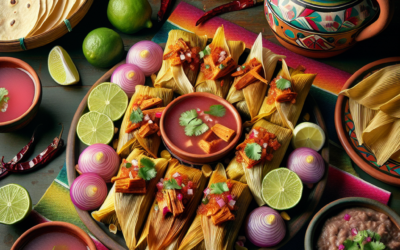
[(26, 18)]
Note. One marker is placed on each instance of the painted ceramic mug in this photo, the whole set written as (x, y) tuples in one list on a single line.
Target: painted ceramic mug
[(325, 28)]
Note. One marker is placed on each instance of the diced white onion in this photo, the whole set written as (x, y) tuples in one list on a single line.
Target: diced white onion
[(222, 53), (147, 117), (130, 175), (238, 69), (135, 163), (190, 191), (176, 175), (150, 122), (232, 203), (189, 54), (183, 57), (265, 145)]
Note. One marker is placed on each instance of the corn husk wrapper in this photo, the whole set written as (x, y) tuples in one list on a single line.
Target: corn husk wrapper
[(235, 50), (222, 236), (287, 114), (166, 233), (255, 175), (362, 116), (132, 209), (253, 95), (181, 80), (128, 141), (106, 213)]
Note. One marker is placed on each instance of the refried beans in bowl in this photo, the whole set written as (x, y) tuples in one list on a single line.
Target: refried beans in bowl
[(347, 223)]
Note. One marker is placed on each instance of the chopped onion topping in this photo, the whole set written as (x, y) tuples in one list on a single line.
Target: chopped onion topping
[(158, 114), (232, 203), (189, 54), (150, 122), (238, 69), (183, 57), (221, 59), (165, 211), (179, 196), (229, 197), (176, 175), (265, 145), (190, 191), (135, 163), (221, 202), (201, 113), (147, 117), (136, 168), (354, 231), (198, 110), (207, 191), (222, 53), (341, 247), (130, 175), (346, 217)]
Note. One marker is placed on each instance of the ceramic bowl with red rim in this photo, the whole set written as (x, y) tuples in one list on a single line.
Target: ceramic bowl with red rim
[(186, 148), (54, 235), (389, 172), (24, 94)]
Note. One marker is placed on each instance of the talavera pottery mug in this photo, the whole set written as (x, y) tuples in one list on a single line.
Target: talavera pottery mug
[(325, 28)]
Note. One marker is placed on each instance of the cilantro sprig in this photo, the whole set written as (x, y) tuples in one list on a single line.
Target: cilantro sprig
[(283, 84), (3, 99), (253, 151), (216, 110), (171, 184), (187, 117), (192, 124), (219, 188), (147, 170), (136, 115), (364, 240)]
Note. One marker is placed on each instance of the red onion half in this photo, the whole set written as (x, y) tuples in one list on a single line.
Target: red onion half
[(147, 55), (307, 164), (100, 159), (88, 191), (265, 227), (127, 76)]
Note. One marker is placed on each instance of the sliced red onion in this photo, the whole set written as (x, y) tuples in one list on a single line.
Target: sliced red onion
[(160, 186), (354, 231), (128, 76), (346, 217), (265, 227), (88, 191), (147, 55), (221, 202), (158, 114), (341, 247), (307, 164), (207, 191), (229, 197), (100, 159)]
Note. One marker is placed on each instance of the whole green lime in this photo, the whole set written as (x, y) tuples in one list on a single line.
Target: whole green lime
[(103, 47), (129, 16)]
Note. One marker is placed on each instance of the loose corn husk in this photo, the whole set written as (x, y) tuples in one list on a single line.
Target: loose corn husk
[(222, 236), (164, 233), (177, 78), (251, 97), (128, 141), (362, 116), (132, 209), (255, 175)]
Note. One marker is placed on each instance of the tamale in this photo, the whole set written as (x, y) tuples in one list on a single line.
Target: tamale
[(362, 116), (132, 209), (220, 87), (178, 78), (221, 236), (250, 98), (163, 232), (128, 141), (106, 213)]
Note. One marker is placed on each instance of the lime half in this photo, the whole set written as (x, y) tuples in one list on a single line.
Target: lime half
[(308, 135), (109, 99), (61, 67), (282, 189), (94, 127), (15, 204)]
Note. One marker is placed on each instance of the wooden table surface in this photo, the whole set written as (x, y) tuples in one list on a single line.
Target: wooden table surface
[(59, 103)]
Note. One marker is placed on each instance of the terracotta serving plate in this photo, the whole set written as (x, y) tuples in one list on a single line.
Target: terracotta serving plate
[(362, 156), (300, 215)]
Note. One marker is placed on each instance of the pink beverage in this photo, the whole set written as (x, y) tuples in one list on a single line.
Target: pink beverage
[(21, 91), (57, 241)]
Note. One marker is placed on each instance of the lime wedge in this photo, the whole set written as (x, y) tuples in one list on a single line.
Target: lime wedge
[(15, 204), (282, 189), (109, 99), (308, 135), (94, 127), (61, 67)]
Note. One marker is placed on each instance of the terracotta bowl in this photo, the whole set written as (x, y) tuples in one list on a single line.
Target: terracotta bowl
[(362, 156), (335, 207), (51, 227), (26, 117), (198, 159)]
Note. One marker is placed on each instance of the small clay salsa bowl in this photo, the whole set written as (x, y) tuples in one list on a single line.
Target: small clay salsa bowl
[(75, 236), (171, 131), (334, 208), (29, 114)]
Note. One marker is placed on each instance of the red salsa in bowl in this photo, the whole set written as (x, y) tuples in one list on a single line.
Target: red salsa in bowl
[(200, 127)]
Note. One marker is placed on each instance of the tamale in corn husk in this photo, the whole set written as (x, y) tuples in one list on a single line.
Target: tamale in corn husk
[(220, 87), (106, 213), (255, 175), (128, 141), (374, 104), (218, 237), (179, 78), (166, 232), (249, 99), (132, 209), (286, 114)]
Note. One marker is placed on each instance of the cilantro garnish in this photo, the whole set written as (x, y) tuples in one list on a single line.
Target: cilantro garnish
[(192, 124), (364, 240), (187, 117), (216, 110), (136, 115), (219, 188), (3, 99), (283, 84), (148, 170), (253, 151), (128, 165), (196, 129), (171, 184)]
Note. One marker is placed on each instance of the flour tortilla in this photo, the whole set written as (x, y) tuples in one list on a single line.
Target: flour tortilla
[(43, 13), (54, 17), (22, 18)]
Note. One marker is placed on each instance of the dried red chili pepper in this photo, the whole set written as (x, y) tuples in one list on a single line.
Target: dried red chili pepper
[(44, 157), (165, 5), (229, 7)]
